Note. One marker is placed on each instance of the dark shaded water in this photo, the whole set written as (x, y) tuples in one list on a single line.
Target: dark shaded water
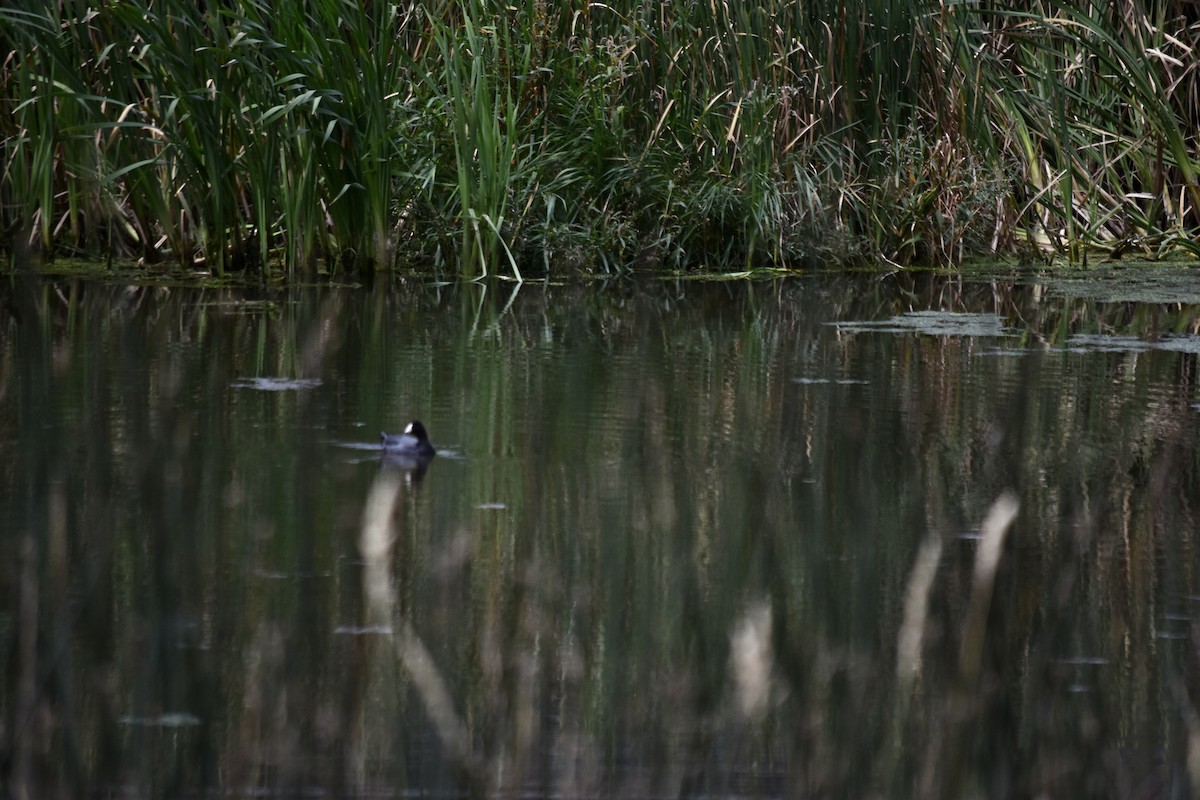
[(682, 540)]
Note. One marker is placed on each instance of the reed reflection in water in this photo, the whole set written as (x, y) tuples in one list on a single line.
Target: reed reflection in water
[(754, 539)]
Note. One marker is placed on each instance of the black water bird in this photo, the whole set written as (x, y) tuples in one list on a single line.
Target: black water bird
[(413, 443), (409, 452)]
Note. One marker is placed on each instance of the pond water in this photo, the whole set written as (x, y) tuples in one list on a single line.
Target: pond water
[(823, 536)]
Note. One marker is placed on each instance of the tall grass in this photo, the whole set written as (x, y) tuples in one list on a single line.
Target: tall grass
[(488, 137), (479, 93)]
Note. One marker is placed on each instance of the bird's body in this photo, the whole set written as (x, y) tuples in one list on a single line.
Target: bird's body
[(413, 442)]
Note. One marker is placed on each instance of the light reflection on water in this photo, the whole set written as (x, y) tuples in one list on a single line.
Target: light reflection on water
[(669, 545)]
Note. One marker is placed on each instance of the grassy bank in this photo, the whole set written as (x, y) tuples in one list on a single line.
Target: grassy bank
[(487, 138)]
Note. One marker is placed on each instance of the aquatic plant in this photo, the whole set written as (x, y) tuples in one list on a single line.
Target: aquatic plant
[(489, 138)]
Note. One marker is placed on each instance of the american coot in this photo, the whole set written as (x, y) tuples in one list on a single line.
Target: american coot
[(413, 442)]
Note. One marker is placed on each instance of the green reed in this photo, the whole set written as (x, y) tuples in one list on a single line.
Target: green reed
[(479, 59), (491, 137)]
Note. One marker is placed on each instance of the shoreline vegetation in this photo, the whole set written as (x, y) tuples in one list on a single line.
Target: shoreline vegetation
[(529, 139)]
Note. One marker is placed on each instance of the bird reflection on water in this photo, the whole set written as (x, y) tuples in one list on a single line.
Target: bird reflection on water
[(409, 452)]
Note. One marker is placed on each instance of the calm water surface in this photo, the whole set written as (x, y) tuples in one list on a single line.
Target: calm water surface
[(682, 539)]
